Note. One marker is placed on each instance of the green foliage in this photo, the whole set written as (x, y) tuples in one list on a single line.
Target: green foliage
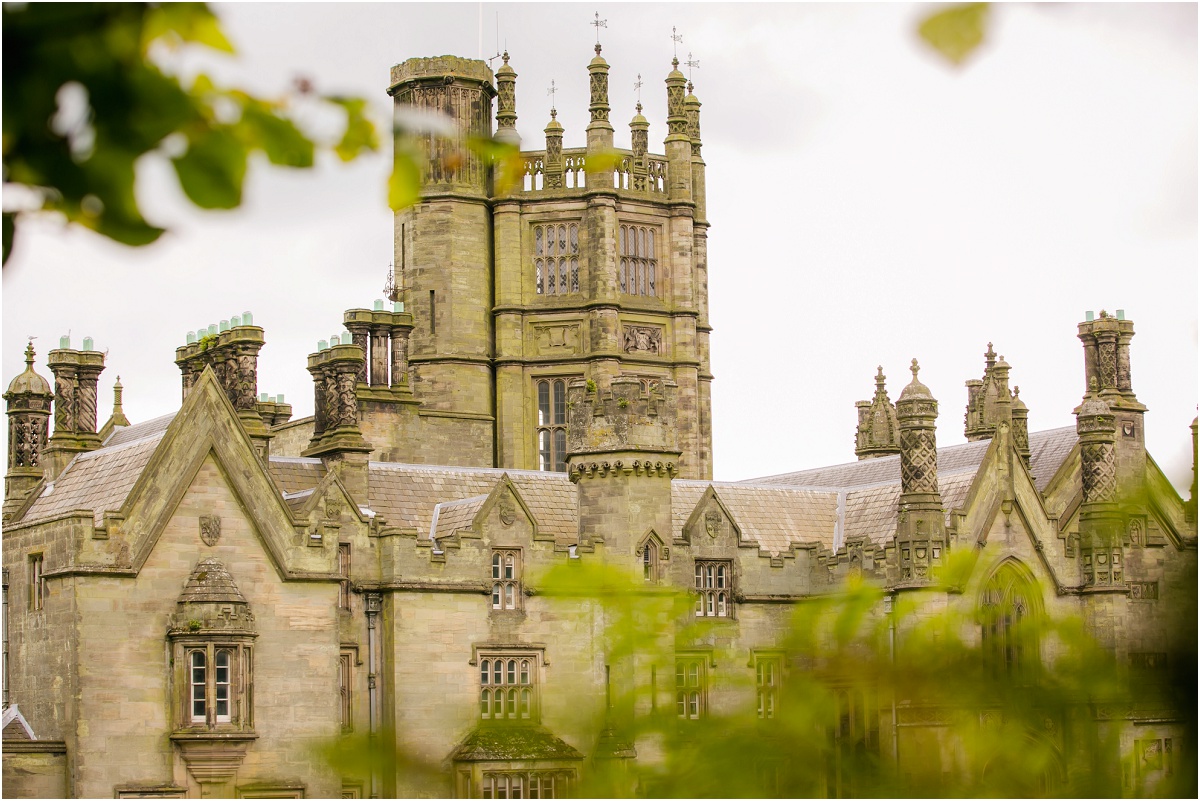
[(195, 625), (85, 98), (974, 722), (955, 32)]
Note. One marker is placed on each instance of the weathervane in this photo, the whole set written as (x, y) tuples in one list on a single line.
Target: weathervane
[(551, 92), (676, 38), (598, 24), (637, 85), (389, 286), (690, 64)]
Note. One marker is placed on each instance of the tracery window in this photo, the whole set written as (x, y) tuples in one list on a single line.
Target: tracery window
[(714, 588), (1008, 605), (556, 258), (508, 687), (637, 271), (506, 579), (552, 424), (691, 688)]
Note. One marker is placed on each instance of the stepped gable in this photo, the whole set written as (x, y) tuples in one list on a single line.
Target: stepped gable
[(101, 479), (1048, 451)]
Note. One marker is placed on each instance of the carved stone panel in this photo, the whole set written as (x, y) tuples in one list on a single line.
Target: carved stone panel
[(642, 339), (558, 339)]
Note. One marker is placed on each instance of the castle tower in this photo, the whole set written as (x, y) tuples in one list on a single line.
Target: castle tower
[(622, 455), (76, 373), (878, 431), (921, 528), (591, 269), (444, 251), (28, 407), (1106, 360)]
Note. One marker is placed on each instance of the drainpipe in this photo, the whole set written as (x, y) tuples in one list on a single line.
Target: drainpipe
[(373, 605), (6, 638)]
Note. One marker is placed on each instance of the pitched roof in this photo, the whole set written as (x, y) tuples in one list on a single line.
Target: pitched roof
[(101, 479), (774, 517), (1048, 450)]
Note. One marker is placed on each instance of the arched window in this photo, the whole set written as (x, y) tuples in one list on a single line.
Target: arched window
[(1010, 605), (506, 579), (650, 551), (508, 688), (552, 424), (637, 270)]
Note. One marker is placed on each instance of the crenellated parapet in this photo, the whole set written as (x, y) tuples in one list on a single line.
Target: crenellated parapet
[(626, 418)]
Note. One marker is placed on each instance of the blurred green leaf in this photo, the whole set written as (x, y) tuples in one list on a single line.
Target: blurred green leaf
[(279, 138), (361, 135), (212, 170), (9, 226), (955, 32), (603, 161), (404, 184)]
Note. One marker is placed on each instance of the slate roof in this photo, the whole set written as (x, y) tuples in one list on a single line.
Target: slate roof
[(101, 480), (499, 742), (453, 515), (774, 517), (1048, 449)]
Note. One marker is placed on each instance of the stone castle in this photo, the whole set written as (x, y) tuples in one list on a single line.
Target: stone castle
[(192, 603)]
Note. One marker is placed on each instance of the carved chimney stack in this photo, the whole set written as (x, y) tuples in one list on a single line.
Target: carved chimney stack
[(231, 350), (28, 402), (337, 439), (1106, 361), (76, 376), (989, 401)]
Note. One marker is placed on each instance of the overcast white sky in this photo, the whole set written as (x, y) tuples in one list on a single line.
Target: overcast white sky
[(869, 204)]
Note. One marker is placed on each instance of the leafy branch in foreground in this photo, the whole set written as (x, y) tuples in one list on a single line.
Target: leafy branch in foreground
[(85, 98)]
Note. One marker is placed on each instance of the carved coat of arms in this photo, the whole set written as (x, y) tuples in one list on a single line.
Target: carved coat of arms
[(508, 512), (713, 522), (210, 529)]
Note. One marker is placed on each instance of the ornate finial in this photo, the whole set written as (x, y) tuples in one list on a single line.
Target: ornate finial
[(505, 56), (29, 352), (677, 38), (389, 286), (639, 107), (1016, 392), (551, 91), (915, 369), (637, 85), (690, 64), (598, 24), (879, 377)]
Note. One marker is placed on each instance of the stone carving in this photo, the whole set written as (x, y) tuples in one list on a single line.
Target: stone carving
[(1108, 364), (210, 529), (714, 523), (1143, 590), (642, 339), (1136, 533), (508, 512), (1099, 472), (247, 381), (918, 461), (557, 338), (64, 403)]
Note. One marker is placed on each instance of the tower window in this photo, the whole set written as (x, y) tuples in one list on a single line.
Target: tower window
[(552, 424), (637, 271), (556, 258)]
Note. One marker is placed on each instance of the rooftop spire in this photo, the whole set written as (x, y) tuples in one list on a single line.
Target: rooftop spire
[(878, 431)]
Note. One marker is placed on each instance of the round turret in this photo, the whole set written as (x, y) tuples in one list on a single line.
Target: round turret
[(915, 390)]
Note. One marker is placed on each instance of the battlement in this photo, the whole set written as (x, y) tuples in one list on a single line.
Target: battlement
[(625, 417), (441, 69)]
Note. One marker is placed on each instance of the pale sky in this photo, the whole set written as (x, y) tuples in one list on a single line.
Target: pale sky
[(869, 204)]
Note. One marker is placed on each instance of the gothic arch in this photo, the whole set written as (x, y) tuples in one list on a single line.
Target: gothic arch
[(1010, 606), (652, 552)]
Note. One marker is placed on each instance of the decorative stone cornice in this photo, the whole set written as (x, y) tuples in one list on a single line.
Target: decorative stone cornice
[(619, 469)]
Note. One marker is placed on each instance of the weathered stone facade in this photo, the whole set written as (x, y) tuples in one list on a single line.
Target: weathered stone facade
[(199, 602)]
